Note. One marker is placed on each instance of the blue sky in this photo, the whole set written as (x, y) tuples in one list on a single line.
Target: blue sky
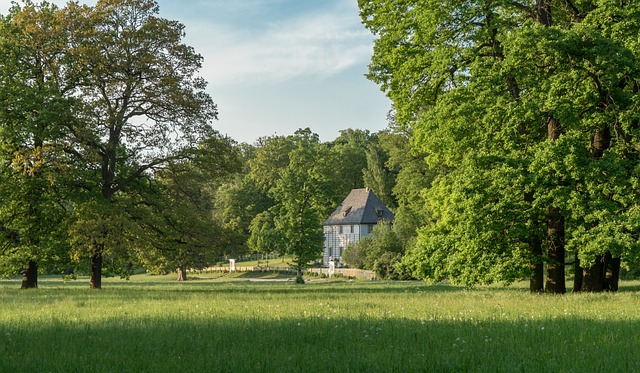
[(274, 66)]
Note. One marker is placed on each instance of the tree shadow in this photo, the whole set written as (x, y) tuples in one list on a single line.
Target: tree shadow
[(321, 343)]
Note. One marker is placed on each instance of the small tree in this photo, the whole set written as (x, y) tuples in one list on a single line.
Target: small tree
[(264, 238), (302, 194), (353, 254)]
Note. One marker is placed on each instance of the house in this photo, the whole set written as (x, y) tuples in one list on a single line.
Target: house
[(351, 221)]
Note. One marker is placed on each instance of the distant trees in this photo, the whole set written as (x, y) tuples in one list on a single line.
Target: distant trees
[(182, 231)]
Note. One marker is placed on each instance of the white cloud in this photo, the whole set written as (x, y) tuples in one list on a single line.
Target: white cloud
[(312, 44)]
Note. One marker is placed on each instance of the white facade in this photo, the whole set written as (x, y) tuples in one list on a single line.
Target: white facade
[(338, 237)]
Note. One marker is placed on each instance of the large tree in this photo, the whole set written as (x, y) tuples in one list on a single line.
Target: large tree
[(143, 103), (35, 105), (515, 104)]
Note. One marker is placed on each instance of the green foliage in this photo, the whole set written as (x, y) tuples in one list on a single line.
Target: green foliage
[(413, 178), (378, 177), (35, 176), (350, 159), (237, 203), (179, 221), (265, 238), (353, 254), (518, 108), (380, 252), (302, 193)]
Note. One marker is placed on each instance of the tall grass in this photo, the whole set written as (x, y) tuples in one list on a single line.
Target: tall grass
[(227, 324)]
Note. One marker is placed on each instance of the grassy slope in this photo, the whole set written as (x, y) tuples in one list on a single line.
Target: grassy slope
[(230, 324)]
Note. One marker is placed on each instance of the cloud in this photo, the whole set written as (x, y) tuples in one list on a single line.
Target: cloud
[(317, 44)]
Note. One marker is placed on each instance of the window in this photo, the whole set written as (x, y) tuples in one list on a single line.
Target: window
[(379, 212), (340, 229), (370, 228), (351, 229)]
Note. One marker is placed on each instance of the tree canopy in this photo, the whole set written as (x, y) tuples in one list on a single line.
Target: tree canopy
[(528, 113)]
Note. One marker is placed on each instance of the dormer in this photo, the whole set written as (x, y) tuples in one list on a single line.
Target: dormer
[(346, 211)]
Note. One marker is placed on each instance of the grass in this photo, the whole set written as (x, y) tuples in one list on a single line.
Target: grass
[(226, 323)]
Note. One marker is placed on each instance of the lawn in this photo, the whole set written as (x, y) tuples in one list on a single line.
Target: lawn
[(233, 323)]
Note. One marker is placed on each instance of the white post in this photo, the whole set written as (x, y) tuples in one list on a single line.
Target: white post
[(232, 265)]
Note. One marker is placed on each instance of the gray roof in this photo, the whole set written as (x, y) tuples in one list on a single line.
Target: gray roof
[(361, 206)]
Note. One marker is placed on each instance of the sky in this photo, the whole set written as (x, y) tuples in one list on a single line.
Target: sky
[(274, 66)]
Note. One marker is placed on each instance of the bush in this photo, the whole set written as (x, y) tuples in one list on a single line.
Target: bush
[(385, 267), (354, 255)]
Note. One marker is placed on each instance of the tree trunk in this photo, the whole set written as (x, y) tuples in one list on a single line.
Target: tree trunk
[(604, 275), (555, 252), (555, 231), (594, 276), (299, 279), (96, 270), (182, 274), (543, 12), (601, 142), (536, 281), (611, 272), (578, 276), (30, 275)]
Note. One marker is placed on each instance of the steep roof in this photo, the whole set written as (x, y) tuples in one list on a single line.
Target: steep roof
[(361, 206)]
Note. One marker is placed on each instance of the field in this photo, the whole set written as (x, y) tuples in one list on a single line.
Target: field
[(226, 323)]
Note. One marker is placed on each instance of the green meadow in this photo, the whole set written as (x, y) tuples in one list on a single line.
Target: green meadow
[(243, 323)]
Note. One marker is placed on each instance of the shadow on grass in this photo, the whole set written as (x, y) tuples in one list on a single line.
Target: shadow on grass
[(321, 344), (241, 283)]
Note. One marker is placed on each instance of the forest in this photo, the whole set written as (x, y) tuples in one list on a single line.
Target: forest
[(511, 152)]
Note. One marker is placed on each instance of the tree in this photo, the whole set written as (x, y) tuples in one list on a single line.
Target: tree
[(413, 177), (264, 238), (237, 202), (271, 158), (350, 154), (182, 231), (303, 195), (377, 176), (513, 103), (143, 104), (35, 177)]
